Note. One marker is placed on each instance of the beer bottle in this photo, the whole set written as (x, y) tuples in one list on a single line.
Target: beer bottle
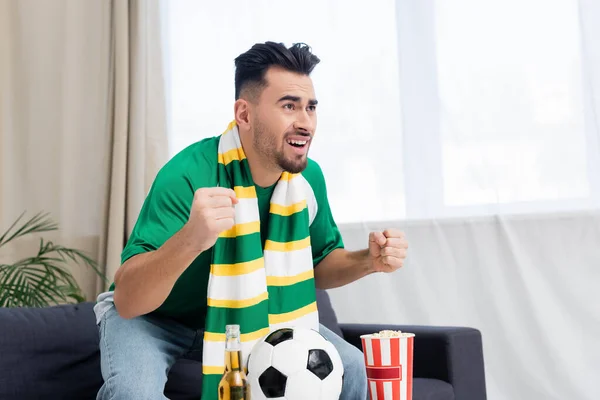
[(233, 385)]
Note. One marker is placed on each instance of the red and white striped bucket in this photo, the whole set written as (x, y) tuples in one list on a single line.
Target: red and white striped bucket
[(389, 362)]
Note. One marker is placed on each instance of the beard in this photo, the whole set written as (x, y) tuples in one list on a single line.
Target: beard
[(267, 145)]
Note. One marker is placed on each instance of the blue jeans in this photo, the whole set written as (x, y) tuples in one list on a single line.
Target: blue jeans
[(136, 355)]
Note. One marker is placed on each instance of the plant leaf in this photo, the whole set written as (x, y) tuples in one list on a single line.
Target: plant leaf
[(42, 279), (73, 292), (74, 255), (40, 222), (10, 227), (45, 285)]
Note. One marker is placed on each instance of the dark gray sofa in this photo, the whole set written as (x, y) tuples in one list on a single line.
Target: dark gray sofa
[(52, 353)]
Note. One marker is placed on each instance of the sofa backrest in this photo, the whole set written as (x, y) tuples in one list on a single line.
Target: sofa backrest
[(52, 353), (326, 313), (49, 352)]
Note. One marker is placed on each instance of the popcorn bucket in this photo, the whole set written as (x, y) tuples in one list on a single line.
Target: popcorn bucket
[(389, 363)]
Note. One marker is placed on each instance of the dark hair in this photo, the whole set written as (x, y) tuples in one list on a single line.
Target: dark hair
[(251, 66)]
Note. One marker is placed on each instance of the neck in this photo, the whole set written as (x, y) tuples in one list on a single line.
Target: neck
[(263, 174)]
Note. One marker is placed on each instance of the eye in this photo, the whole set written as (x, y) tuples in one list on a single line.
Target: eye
[(312, 108), (288, 106)]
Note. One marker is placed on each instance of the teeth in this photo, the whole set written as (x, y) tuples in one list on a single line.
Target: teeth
[(299, 142)]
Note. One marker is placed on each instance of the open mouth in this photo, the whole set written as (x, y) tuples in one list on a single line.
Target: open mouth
[(297, 143)]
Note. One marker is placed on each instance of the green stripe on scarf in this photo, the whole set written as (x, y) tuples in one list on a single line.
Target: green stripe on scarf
[(226, 253), (248, 317), (298, 295), (287, 229)]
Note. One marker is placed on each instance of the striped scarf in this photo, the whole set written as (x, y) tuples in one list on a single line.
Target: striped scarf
[(262, 290)]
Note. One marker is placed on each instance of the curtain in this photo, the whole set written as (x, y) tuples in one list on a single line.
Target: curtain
[(138, 119), (473, 126), (54, 145), (82, 121)]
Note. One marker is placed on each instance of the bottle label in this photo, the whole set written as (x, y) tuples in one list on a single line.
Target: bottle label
[(238, 393)]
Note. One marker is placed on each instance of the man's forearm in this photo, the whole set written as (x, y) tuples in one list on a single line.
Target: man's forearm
[(341, 267), (144, 281)]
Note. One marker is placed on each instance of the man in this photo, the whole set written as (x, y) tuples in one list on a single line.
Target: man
[(224, 235)]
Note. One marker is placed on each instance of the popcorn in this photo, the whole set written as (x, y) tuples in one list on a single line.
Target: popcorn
[(390, 333)]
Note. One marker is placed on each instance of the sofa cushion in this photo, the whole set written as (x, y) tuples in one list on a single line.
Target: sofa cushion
[(49, 353), (185, 380), (52, 353), (432, 389)]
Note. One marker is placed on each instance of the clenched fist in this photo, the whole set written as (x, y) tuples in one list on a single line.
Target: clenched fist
[(387, 250), (212, 212)]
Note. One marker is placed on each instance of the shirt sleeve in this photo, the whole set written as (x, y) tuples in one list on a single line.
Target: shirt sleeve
[(324, 233), (164, 212)]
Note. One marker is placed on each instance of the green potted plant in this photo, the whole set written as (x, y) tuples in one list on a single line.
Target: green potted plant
[(42, 279)]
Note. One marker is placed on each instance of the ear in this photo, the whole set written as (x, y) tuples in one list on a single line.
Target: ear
[(241, 110)]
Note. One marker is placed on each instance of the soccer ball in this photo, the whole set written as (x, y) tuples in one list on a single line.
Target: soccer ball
[(295, 364)]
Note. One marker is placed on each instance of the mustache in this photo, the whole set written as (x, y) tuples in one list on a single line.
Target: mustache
[(299, 133)]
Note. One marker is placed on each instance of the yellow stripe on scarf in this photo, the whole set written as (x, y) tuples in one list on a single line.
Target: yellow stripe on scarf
[(213, 370), (286, 211), (237, 303), (238, 268), (290, 280), (287, 246), (245, 192), (286, 176), (241, 230), (290, 316), (232, 155)]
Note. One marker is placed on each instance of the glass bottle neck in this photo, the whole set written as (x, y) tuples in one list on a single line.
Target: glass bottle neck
[(232, 344), (232, 348), (232, 338)]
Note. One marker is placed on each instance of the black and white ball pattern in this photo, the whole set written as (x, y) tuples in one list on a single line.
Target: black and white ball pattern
[(295, 364)]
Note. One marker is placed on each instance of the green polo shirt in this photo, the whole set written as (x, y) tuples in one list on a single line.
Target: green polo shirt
[(167, 208)]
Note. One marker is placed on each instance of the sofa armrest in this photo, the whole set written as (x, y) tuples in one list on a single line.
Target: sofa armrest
[(451, 354)]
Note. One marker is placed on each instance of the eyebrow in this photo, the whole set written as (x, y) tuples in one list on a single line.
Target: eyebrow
[(296, 99)]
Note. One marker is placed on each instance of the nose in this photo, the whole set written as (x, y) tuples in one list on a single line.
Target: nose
[(304, 123)]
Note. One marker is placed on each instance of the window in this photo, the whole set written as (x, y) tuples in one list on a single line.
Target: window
[(426, 109), (510, 82)]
